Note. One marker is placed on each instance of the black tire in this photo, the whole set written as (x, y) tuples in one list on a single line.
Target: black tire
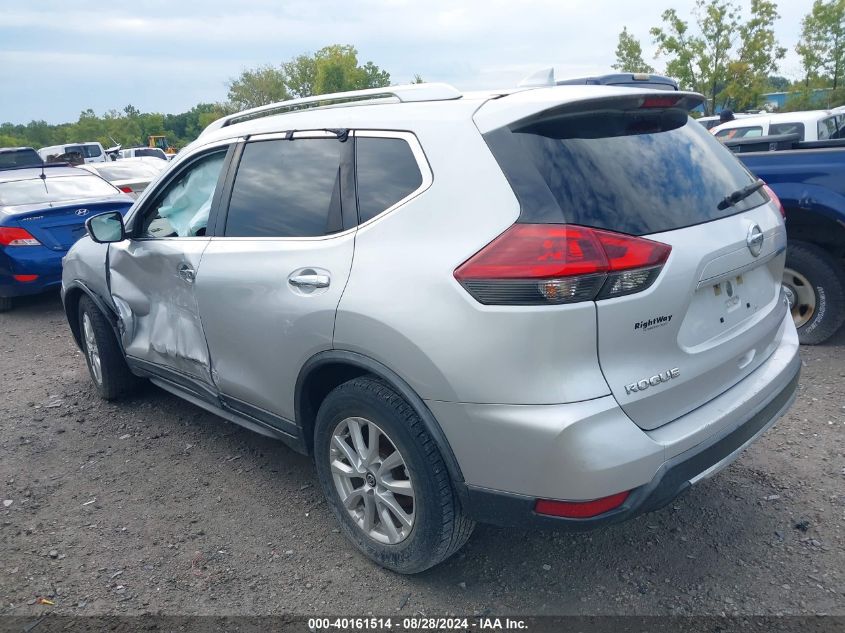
[(827, 279), (5, 304), (115, 381), (439, 528)]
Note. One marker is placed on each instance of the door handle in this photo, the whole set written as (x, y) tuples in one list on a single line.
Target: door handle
[(187, 273), (310, 281)]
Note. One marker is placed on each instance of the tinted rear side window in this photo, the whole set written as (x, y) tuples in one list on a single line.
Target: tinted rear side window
[(387, 172), (19, 158), (287, 189), (630, 172)]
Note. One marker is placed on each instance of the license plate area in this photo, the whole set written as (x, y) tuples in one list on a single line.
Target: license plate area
[(722, 305)]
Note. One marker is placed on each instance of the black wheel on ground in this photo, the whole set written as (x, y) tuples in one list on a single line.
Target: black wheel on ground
[(5, 304), (105, 359), (814, 283), (384, 478)]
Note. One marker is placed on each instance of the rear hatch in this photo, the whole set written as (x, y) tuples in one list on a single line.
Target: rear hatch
[(641, 167), (54, 210)]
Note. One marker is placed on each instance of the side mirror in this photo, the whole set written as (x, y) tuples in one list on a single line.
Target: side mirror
[(106, 228)]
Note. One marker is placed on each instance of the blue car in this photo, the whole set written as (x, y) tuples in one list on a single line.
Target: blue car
[(42, 213)]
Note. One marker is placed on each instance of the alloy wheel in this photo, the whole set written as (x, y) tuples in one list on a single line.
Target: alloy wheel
[(91, 348), (372, 480)]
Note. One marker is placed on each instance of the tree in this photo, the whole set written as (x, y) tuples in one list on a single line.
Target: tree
[(300, 74), (258, 87), (757, 58), (720, 55), (333, 68), (683, 48), (822, 44), (629, 55)]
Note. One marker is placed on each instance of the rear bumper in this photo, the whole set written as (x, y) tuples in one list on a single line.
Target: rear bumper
[(512, 455), (29, 260), (672, 479)]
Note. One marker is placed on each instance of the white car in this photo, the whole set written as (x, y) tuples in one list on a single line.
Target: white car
[(813, 125), (142, 152), (130, 175), (92, 152), (709, 122)]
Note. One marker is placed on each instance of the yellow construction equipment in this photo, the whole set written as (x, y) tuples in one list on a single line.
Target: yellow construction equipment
[(160, 142)]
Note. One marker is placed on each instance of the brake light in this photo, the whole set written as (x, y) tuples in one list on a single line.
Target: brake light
[(774, 198), (12, 236), (25, 278), (660, 102), (537, 264), (125, 189), (580, 509)]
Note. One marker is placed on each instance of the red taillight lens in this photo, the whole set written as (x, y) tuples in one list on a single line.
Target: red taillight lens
[(25, 278), (660, 102), (580, 509), (125, 189), (11, 236), (535, 264), (774, 198)]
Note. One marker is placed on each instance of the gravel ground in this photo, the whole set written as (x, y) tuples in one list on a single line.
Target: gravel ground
[(153, 506)]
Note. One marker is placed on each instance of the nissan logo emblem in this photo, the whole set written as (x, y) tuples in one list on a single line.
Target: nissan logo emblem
[(754, 240), (82, 212)]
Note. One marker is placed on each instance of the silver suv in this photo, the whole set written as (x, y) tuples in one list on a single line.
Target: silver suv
[(557, 306)]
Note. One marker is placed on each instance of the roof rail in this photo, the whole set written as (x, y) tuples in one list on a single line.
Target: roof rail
[(404, 93)]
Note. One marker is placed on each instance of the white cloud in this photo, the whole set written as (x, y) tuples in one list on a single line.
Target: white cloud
[(57, 58)]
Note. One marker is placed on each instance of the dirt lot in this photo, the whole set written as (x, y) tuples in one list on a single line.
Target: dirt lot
[(153, 506)]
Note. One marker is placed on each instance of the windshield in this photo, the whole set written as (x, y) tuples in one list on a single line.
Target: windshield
[(55, 189), (630, 172)]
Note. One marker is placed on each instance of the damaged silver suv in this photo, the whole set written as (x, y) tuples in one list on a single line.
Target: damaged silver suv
[(556, 305)]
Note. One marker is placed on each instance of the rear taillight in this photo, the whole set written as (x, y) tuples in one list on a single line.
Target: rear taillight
[(774, 198), (537, 264), (125, 189), (12, 236), (25, 278)]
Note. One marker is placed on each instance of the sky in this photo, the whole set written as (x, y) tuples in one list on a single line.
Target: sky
[(58, 58)]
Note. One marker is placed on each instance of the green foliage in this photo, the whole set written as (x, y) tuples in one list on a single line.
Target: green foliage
[(629, 55), (258, 86), (333, 68), (724, 57), (822, 44), (128, 127)]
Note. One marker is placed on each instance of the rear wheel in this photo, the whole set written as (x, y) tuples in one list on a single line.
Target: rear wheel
[(105, 359), (814, 283), (385, 479), (5, 304)]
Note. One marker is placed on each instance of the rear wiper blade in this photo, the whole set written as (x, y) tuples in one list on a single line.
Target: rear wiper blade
[(740, 194)]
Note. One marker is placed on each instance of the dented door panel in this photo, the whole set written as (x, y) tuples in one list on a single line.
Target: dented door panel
[(152, 288)]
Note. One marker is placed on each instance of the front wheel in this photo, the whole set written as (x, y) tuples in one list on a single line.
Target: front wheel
[(105, 359), (385, 480), (814, 283)]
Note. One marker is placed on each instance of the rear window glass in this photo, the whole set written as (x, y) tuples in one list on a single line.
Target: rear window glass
[(19, 158), (287, 189), (54, 189), (91, 151), (387, 172), (152, 152), (776, 129), (630, 172), (740, 132)]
